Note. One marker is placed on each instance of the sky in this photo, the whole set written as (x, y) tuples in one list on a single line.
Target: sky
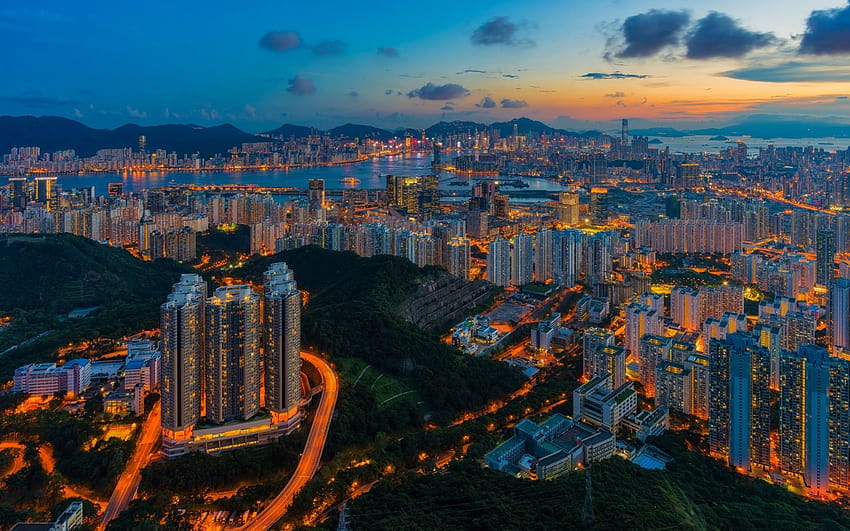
[(578, 65)]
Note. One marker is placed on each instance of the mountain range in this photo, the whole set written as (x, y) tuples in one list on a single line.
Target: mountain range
[(53, 133)]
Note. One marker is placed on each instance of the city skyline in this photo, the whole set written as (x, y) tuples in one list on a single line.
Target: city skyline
[(658, 64)]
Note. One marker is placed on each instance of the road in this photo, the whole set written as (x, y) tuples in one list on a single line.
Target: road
[(312, 455), (128, 482), (18, 462)]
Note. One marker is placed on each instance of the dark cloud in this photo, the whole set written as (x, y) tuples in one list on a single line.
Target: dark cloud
[(794, 72), (513, 104), (511, 76), (387, 51), (500, 30), (613, 75), (280, 41), (301, 85), (352, 93), (648, 33), (447, 107), (330, 48), (827, 32), (472, 71), (388, 92), (615, 95), (486, 103), (430, 91), (718, 35)]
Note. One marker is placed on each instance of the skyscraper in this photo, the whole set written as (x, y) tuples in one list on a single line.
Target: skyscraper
[(457, 257), (840, 315), (282, 345), (599, 205), (543, 256), (653, 351), (814, 416), (567, 251), (232, 354), (685, 307), (825, 254), (522, 252), (499, 262), (182, 345), (739, 401)]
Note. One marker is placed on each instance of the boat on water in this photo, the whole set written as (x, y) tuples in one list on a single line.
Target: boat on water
[(350, 181)]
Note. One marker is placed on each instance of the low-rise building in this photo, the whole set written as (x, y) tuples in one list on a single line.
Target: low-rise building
[(40, 379)]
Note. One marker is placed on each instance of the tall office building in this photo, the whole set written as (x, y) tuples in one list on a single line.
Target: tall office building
[(597, 264), (499, 262), (316, 192), (840, 315), (232, 354), (543, 256), (46, 192), (814, 417), (652, 351), (825, 254), (282, 342), (567, 208), (522, 253), (18, 192), (599, 205), (182, 345), (739, 401)]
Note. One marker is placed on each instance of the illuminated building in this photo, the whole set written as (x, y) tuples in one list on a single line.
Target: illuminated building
[(814, 417), (825, 251), (45, 379), (522, 253), (599, 205), (413, 195), (457, 257), (477, 224), (567, 252), (316, 192), (770, 336), (601, 402), (567, 208), (688, 175), (593, 363), (640, 320), (652, 351), (46, 193), (282, 342), (720, 328), (685, 307), (739, 401), (673, 386), (18, 192), (699, 366), (232, 354), (543, 256), (182, 346), (840, 315), (499, 262)]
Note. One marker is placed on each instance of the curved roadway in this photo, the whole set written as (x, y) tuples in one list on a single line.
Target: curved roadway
[(128, 482), (312, 455)]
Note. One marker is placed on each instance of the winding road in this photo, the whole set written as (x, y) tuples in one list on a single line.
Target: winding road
[(312, 455), (128, 482)]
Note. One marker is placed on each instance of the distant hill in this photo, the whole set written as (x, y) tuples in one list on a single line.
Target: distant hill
[(759, 127), (361, 132), (287, 131), (525, 126), (456, 127), (52, 133)]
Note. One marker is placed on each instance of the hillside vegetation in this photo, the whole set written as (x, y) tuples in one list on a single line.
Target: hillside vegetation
[(46, 276), (351, 313)]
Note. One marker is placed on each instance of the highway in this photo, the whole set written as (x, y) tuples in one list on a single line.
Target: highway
[(128, 482), (312, 455)]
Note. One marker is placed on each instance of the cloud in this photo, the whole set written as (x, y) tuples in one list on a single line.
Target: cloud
[(648, 33), (301, 85), (387, 51), (613, 75), (136, 113), (388, 92), (486, 103), (250, 110), (794, 72), (35, 100), (513, 104), (352, 94), (500, 30), (78, 113), (616, 95), (430, 91), (472, 71), (330, 48), (827, 32), (211, 114), (718, 35), (511, 76), (280, 41), (447, 107)]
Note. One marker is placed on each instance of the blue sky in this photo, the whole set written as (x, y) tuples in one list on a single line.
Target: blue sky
[(259, 64)]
